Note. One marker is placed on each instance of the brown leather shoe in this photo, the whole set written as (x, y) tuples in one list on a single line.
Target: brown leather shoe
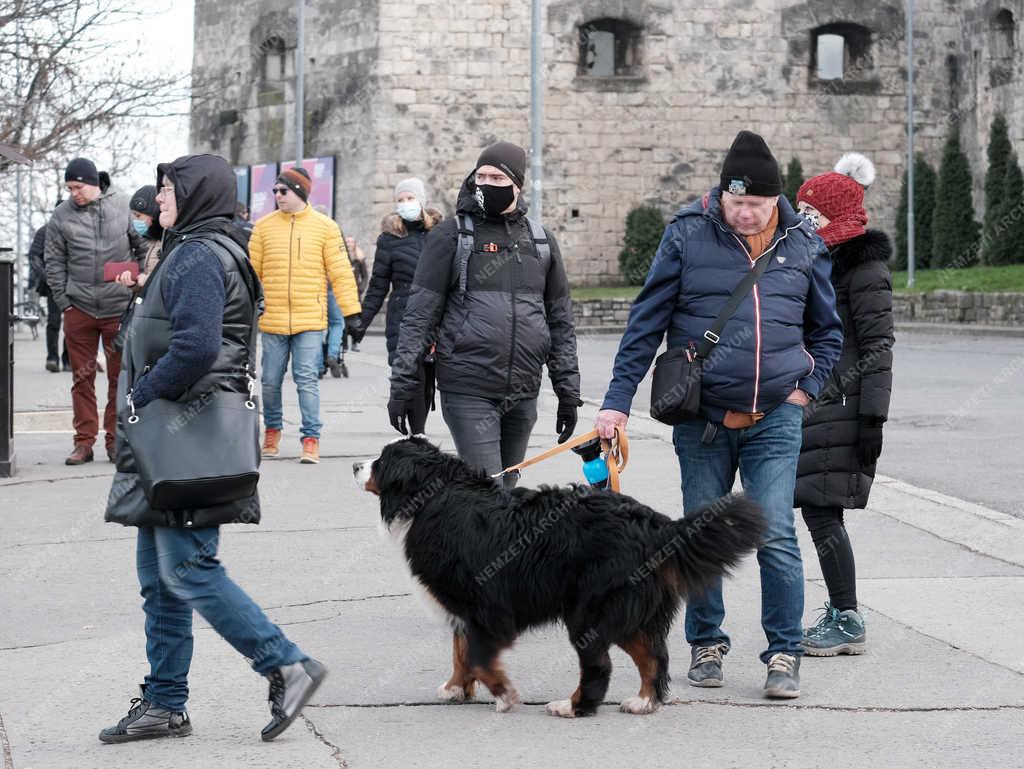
[(79, 456), (271, 442), (310, 451)]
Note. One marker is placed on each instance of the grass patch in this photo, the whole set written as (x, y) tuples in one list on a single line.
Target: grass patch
[(1007, 278)]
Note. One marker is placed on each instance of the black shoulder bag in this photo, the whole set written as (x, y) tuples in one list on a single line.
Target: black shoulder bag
[(204, 451), (675, 391)]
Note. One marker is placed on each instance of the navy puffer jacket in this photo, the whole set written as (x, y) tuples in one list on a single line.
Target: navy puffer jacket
[(786, 333)]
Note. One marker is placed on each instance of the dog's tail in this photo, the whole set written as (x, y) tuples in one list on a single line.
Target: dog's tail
[(709, 542)]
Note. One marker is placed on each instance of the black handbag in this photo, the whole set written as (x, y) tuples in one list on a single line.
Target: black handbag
[(203, 451), (678, 372)]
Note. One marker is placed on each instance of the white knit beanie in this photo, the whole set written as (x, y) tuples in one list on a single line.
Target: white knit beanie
[(415, 186)]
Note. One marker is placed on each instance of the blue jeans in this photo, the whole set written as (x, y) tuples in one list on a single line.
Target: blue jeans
[(335, 326), (306, 350), (766, 456), (178, 572)]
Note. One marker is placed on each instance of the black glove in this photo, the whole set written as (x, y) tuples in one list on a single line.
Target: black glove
[(354, 327), (565, 419), (869, 441), (399, 411)]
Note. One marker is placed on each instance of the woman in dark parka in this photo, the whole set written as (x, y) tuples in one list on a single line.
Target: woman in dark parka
[(842, 435), (394, 264)]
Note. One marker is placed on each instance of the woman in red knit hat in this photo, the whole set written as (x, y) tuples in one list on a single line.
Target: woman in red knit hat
[(842, 434)]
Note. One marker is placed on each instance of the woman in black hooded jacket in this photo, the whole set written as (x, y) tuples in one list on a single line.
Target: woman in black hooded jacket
[(842, 434), (394, 264)]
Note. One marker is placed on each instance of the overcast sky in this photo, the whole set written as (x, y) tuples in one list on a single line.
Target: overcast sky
[(164, 40)]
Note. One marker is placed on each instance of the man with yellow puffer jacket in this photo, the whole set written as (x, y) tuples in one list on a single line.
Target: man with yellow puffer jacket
[(294, 251)]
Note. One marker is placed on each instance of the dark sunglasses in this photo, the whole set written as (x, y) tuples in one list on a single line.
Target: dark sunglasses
[(280, 190)]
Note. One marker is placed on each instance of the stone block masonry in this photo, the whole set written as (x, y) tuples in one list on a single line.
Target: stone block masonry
[(1004, 309), (417, 88)]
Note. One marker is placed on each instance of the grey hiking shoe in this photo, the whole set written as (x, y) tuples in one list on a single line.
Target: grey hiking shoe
[(706, 665), (291, 687), (145, 721), (783, 682), (836, 632)]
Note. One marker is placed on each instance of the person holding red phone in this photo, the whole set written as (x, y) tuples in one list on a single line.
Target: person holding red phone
[(87, 231)]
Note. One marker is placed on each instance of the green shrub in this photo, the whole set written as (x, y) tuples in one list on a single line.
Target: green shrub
[(793, 179), (1005, 244), (924, 203), (954, 230), (644, 228), (999, 151)]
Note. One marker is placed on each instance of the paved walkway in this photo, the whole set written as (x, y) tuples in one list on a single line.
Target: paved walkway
[(940, 581)]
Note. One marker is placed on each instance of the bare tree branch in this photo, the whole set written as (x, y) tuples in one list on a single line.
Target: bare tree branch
[(58, 82)]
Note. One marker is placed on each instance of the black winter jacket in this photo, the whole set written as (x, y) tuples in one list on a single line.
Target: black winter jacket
[(829, 472), (394, 265), (515, 315), (205, 192), (36, 265)]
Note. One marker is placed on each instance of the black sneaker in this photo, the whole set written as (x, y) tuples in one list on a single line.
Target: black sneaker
[(291, 687), (783, 682), (147, 722), (706, 665), (52, 364)]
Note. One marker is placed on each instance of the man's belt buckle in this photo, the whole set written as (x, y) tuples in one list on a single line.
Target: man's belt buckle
[(736, 420)]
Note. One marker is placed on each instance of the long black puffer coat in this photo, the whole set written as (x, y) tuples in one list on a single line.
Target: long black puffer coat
[(829, 473), (394, 265)]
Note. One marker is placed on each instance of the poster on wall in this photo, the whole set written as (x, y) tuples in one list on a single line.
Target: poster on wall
[(321, 171), (261, 196), (242, 184)]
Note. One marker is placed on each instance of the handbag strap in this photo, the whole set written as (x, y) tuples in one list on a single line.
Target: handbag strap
[(245, 272), (712, 335)]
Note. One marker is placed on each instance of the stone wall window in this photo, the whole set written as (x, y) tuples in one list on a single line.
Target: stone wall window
[(276, 70), (610, 48), (1002, 30), (841, 51), (275, 58)]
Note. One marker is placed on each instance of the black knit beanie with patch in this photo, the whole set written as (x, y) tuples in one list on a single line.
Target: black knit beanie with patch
[(750, 168)]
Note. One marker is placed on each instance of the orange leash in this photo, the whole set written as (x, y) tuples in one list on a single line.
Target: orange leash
[(616, 455)]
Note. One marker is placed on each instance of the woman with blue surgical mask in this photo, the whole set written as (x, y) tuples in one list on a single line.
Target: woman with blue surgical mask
[(394, 264), (145, 221)]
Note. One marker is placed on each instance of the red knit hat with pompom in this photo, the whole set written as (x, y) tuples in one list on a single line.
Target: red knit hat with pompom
[(839, 196)]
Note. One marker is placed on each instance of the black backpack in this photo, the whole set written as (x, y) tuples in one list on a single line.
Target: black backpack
[(465, 246)]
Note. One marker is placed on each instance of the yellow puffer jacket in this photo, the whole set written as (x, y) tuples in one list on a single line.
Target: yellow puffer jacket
[(294, 255)]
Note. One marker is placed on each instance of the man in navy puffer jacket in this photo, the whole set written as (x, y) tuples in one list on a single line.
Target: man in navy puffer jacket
[(775, 353)]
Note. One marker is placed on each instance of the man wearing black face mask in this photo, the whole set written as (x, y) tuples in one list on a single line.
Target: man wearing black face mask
[(494, 288)]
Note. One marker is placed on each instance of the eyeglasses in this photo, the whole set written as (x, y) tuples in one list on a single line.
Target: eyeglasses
[(280, 190), (497, 180)]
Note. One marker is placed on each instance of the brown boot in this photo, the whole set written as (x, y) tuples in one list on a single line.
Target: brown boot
[(310, 451), (79, 456), (271, 442)]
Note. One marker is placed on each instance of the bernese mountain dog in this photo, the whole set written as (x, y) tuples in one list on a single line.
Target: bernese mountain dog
[(501, 561)]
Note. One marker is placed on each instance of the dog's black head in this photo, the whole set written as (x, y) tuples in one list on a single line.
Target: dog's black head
[(404, 476)]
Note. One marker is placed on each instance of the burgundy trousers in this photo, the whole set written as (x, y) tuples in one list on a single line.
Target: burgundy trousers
[(83, 333)]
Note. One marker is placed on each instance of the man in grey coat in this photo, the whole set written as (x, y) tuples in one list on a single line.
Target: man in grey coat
[(86, 232)]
